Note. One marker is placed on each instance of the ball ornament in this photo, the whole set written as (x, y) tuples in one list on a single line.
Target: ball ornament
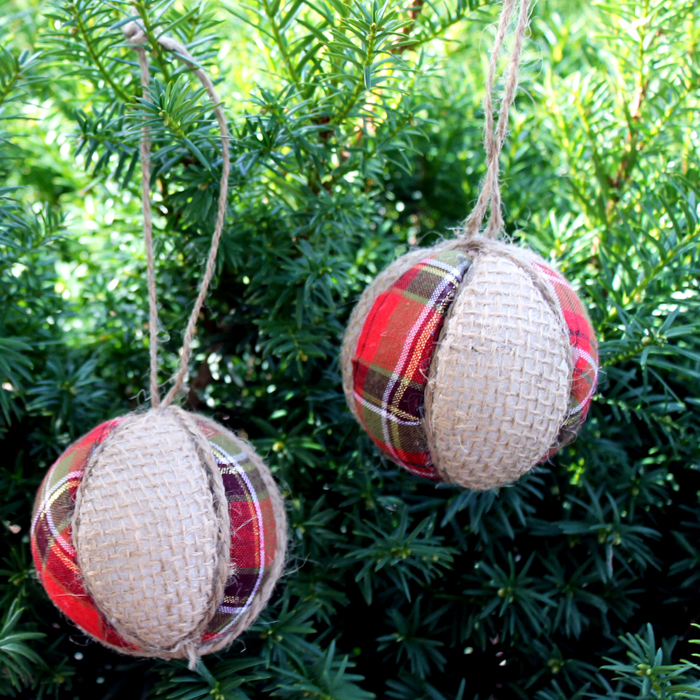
[(159, 534), (470, 362)]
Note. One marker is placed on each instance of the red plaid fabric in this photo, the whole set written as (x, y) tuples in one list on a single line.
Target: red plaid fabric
[(584, 348), (392, 358), (54, 556), (253, 531)]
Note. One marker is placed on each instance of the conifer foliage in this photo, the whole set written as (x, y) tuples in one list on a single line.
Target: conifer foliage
[(355, 133)]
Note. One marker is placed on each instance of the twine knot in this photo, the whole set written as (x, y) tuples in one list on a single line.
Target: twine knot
[(135, 34), (490, 193)]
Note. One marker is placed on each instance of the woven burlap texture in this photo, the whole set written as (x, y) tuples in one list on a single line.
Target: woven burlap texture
[(499, 381), (152, 532), (378, 286)]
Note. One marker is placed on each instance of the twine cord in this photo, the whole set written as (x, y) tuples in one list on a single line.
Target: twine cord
[(137, 37), (490, 194), (145, 149)]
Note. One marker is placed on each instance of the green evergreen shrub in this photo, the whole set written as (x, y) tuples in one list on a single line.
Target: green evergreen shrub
[(356, 132)]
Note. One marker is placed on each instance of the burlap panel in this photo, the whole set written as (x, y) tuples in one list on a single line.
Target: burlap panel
[(151, 530), (500, 378)]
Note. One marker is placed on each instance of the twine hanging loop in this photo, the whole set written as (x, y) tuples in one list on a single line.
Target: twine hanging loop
[(490, 193), (137, 37)]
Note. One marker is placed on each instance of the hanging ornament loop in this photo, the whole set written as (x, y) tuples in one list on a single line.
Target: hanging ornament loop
[(490, 194), (137, 37)]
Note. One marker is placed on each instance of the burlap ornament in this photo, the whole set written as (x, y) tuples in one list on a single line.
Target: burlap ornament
[(161, 533), (473, 373), (510, 377)]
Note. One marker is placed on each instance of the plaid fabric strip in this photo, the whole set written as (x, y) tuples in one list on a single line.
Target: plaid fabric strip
[(584, 348), (393, 354), (54, 556), (253, 531)]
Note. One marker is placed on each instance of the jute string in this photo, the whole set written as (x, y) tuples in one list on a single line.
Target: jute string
[(138, 39), (490, 194)]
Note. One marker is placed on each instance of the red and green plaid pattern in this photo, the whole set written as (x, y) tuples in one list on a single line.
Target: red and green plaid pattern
[(393, 354), (253, 535), (253, 531), (584, 348), (52, 543)]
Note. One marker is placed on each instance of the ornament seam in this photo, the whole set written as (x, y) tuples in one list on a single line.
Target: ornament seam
[(459, 244), (280, 518), (220, 505), (125, 634)]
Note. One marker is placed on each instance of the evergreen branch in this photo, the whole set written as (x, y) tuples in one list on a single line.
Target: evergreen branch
[(94, 53), (280, 41), (637, 349), (663, 263), (8, 85), (362, 83), (16, 657), (437, 30)]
